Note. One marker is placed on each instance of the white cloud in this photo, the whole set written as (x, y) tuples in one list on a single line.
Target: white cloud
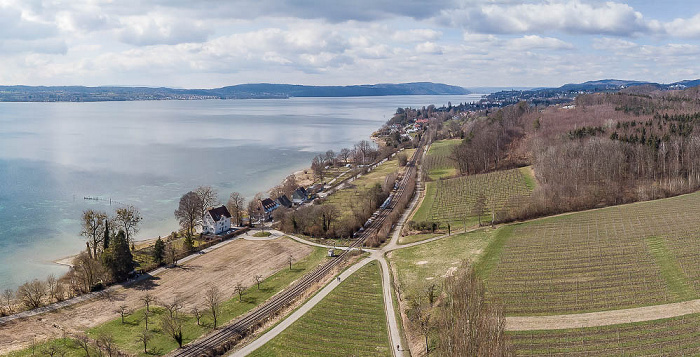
[(153, 30), (684, 27), (428, 48), (416, 35), (536, 42)]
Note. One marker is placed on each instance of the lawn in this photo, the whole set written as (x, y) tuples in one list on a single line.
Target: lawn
[(126, 334), (453, 200), (416, 238), (350, 321), (429, 263), (344, 198), (437, 162), (678, 336), (641, 254)]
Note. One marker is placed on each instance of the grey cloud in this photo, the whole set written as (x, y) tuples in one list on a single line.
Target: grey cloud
[(146, 31), (15, 27)]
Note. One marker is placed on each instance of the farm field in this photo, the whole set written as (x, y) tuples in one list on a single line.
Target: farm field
[(429, 263), (344, 198), (437, 162), (678, 336), (126, 334), (350, 321), (452, 200), (618, 257)]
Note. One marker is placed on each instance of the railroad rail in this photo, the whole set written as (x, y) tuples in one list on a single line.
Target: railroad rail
[(221, 340)]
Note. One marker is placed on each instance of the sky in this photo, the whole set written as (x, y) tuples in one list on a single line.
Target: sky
[(470, 43)]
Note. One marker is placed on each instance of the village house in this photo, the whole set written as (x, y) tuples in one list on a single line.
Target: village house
[(284, 201), (300, 196), (216, 221), (268, 206)]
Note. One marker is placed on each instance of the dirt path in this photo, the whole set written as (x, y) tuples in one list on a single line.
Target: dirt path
[(602, 318), (238, 261)]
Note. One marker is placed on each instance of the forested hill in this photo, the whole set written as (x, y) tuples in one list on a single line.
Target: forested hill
[(242, 91)]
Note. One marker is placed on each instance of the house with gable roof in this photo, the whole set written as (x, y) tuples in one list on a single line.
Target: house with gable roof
[(216, 221)]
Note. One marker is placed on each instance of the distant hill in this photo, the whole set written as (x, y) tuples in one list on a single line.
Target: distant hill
[(242, 91)]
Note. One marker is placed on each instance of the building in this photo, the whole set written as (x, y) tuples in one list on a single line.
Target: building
[(284, 201), (216, 221), (268, 206), (300, 196)]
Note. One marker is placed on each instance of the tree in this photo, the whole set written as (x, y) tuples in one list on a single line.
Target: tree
[(106, 342), (171, 254), (147, 300), (212, 299), (123, 312), (197, 314), (258, 280), (236, 206), (239, 289), (86, 271), (52, 350), (174, 307), (32, 293), (93, 229), (128, 219), (345, 154), (146, 315), (255, 208), (144, 337), (207, 199), (329, 157), (318, 167), (7, 296), (188, 212), (172, 325), (159, 251), (52, 287), (420, 314), (479, 206), (118, 258), (290, 259), (83, 342), (466, 324), (105, 236), (289, 185)]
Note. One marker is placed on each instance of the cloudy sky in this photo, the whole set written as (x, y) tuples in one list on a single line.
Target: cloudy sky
[(213, 43)]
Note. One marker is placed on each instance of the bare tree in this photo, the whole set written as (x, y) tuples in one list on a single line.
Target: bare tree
[(318, 167), (207, 198), (106, 342), (147, 300), (128, 218), (188, 212), (7, 296), (52, 286), (258, 279), (479, 206), (171, 254), (174, 306), (212, 299), (197, 314), (255, 208), (236, 206), (289, 185), (93, 229), (32, 293), (86, 271), (52, 350), (290, 259), (146, 315), (144, 337), (83, 342), (172, 325), (420, 314), (239, 289), (123, 311), (329, 157)]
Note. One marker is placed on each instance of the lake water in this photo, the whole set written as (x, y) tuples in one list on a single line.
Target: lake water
[(148, 154)]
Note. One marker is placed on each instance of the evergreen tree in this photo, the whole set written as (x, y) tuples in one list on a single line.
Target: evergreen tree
[(118, 259), (105, 241), (159, 251)]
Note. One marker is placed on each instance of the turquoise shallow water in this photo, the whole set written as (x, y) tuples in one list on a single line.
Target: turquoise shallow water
[(148, 154)]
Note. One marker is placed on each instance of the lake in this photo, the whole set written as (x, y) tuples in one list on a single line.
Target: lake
[(148, 154)]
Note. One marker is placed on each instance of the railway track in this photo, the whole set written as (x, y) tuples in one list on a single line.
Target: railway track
[(221, 340)]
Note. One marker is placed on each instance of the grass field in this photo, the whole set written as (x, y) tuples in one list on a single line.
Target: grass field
[(64, 348), (344, 198), (678, 336), (417, 238), (437, 162), (125, 334), (626, 256), (350, 321), (452, 200), (430, 263)]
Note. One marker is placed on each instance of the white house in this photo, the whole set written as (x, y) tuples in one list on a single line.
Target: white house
[(216, 221)]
